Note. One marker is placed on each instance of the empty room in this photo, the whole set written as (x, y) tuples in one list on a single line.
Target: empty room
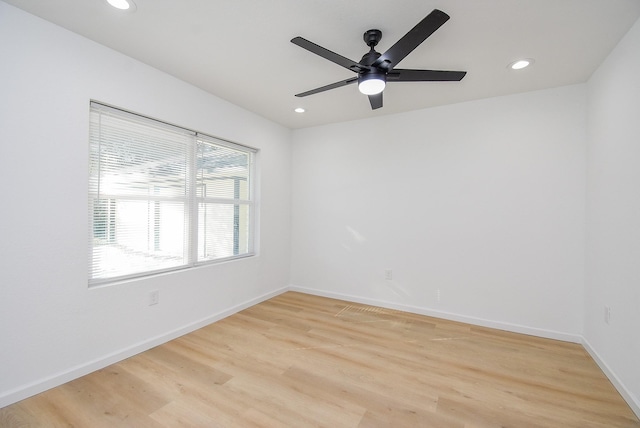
[(320, 213)]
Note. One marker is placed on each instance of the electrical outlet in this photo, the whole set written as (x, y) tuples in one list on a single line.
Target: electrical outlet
[(438, 295), (607, 314), (388, 274), (154, 297)]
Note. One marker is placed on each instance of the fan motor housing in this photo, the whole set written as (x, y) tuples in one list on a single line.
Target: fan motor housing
[(370, 57)]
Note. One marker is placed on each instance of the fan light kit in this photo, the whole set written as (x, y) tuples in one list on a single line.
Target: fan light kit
[(372, 83), (123, 4), (376, 69)]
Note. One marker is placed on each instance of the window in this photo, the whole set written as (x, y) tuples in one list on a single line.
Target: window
[(163, 197)]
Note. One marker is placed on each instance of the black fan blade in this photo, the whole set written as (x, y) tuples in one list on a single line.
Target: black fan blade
[(412, 39), (327, 87), (327, 54), (402, 75), (376, 101)]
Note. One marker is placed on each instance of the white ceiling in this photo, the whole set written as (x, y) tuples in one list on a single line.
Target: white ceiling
[(240, 50)]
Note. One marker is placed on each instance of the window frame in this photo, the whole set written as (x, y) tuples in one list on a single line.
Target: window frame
[(191, 198)]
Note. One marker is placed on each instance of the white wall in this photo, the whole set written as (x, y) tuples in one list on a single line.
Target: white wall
[(52, 327), (482, 202), (613, 216)]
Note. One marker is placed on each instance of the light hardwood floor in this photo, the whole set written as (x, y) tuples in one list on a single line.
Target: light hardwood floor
[(299, 361)]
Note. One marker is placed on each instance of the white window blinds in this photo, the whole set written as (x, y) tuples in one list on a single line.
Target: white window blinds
[(162, 197)]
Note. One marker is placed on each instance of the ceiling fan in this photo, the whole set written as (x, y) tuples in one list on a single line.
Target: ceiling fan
[(375, 69)]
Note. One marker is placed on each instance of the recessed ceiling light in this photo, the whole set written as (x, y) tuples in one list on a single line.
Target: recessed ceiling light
[(123, 4), (520, 64), (299, 110)]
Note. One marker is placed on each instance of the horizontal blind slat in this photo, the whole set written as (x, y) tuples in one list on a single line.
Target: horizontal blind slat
[(141, 192)]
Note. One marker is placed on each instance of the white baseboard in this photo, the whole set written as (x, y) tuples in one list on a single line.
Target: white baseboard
[(42, 385), (57, 379), (515, 328), (628, 396)]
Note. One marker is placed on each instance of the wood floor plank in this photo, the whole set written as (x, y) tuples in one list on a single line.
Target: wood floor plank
[(306, 361)]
